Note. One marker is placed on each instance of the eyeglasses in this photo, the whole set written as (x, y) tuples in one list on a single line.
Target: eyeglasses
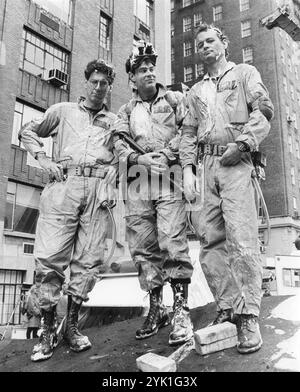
[(96, 83)]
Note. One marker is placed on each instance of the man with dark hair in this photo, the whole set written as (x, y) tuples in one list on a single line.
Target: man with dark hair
[(155, 217), (228, 117), (72, 226)]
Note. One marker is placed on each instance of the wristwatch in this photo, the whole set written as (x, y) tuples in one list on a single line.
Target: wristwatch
[(243, 146)]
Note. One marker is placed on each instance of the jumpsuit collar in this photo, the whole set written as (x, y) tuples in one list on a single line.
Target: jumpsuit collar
[(161, 93), (103, 111), (228, 67)]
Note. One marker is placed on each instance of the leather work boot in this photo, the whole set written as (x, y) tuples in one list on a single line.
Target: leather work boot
[(223, 315), (249, 337), (182, 327), (75, 339), (44, 349), (157, 317)]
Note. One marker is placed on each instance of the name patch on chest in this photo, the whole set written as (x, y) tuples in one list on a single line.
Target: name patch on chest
[(229, 85), (101, 124), (162, 109)]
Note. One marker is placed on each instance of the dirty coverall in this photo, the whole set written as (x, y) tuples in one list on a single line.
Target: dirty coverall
[(155, 218), (72, 228), (225, 110)]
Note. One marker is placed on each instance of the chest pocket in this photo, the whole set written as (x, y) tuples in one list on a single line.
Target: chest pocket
[(232, 95)]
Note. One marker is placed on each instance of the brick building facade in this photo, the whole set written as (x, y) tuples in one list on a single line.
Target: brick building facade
[(273, 52), (35, 38)]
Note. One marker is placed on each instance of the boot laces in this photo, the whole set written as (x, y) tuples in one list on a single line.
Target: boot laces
[(154, 307), (180, 302), (47, 328), (247, 321), (73, 325)]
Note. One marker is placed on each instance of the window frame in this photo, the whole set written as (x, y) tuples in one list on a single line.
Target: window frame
[(245, 55), (244, 5), (185, 69), (246, 32), (217, 12), (60, 58), (187, 49)]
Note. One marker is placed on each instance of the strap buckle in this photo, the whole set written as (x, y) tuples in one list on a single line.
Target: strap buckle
[(87, 171), (78, 171)]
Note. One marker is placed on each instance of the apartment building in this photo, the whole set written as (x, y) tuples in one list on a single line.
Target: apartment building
[(44, 48), (276, 56)]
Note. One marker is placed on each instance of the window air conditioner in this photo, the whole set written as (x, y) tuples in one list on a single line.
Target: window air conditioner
[(289, 119), (57, 77), (262, 249)]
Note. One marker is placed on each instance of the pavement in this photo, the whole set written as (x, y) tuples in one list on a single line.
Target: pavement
[(115, 348)]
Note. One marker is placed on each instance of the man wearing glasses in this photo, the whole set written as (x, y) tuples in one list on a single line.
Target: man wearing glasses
[(72, 226)]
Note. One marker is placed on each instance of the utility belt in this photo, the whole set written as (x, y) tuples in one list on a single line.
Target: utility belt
[(86, 171)]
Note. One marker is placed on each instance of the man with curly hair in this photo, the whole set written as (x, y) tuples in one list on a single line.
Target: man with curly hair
[(72, 226)]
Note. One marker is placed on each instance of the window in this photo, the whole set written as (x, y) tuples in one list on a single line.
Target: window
[(293, 176), (246, 29), (188, 74), (197, 20), (199, 70), (294, 203), (248, 55), (21, 210), (172, 54), (261, 240), (63, 10), (217, 13), (10, 294), (143, 9), (187, 49), (290, 143), (196, 46), (172, 78), (284, 81), (172, 5), (244, 5), (172, 30), (291, 277), (28, 248), (22, 115), (38, 56), (104, 33), (287, 111), (187, 24), (185, 3)]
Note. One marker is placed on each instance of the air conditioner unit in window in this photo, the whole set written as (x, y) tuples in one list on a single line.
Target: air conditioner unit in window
[(262, 249), (57, 77), (289, 119)]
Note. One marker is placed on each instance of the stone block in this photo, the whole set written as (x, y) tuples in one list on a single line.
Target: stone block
[(155, 363), (215, 333)]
